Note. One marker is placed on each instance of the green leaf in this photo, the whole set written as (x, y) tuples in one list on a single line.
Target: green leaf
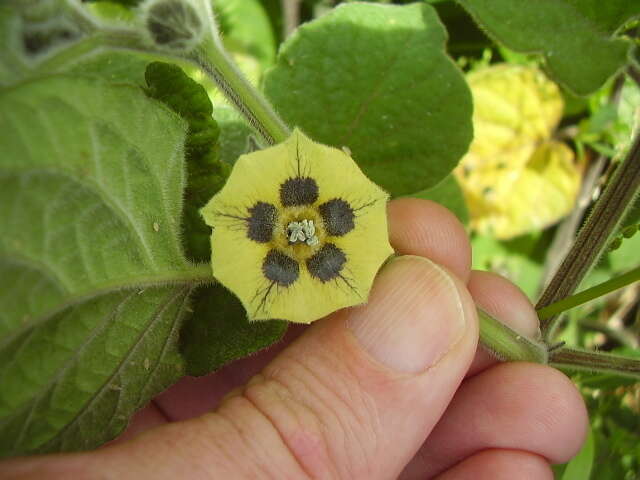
[(13, 65), (235, 134), (114, 66), (93, 280), (448, 194), (124, 3), (246, 28), (579, 468), (210, 341), (576, 37), (376, 78), (206, 173)]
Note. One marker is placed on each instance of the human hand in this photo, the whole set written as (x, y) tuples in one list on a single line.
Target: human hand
[(391, 389)]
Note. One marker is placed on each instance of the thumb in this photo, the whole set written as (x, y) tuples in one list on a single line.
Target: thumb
[(354, 397)]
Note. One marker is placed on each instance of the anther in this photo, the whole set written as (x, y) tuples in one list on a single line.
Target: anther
[(303, 231)]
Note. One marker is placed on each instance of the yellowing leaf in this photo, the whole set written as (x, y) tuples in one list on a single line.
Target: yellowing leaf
[(514, 177)]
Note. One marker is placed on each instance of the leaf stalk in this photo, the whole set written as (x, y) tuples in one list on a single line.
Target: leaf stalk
[(582, 360)]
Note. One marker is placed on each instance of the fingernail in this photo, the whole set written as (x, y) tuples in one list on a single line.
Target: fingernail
[(413, 318)]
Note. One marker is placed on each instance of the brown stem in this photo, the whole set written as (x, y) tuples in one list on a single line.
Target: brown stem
[(574, 359), (291, 15), (593, 238)]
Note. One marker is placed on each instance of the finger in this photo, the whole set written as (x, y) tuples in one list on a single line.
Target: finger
[(148, 417), (353, 397), (193, 396), (416, 227), (424, 228), (500, 465), (507, 303), (517, 406)]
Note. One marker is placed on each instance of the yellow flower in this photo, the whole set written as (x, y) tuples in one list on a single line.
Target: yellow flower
[(298, 231)]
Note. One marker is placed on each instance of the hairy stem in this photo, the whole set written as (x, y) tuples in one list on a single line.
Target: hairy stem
[(593, 238), (574, 359), (589, 294), (506, 344), (250, 103), (214, 60)]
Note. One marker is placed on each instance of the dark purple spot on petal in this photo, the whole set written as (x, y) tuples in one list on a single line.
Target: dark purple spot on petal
[(338, 217), (326, 264), (298, 191), (280, 268), (262, 218)]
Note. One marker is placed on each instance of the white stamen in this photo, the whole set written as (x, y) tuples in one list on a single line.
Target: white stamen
[(304, 231)]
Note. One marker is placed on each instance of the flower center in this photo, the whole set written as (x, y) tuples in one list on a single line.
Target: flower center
[(303, 231)]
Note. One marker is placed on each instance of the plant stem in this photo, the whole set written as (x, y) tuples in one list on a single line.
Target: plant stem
[(291, 15), (214, 60), (589, 294), (574, 359), (249, 102), (593, 238), (508, 345)]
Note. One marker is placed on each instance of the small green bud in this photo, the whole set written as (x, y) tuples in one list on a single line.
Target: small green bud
[(173, 24), (629, 231), (615, 244)]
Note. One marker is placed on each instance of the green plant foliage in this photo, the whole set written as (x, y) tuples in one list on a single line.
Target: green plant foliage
[(246, 28), (208, 345), (576, 37), (114, 66), (448, 194), (124, 3), (393, 96), (206, 174), (12, 62), (235, 134), (89, 215)]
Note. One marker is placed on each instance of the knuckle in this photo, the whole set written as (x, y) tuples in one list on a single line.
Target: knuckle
[(327, 423)]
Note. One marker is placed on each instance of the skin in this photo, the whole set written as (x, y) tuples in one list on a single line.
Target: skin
[(352, 397)]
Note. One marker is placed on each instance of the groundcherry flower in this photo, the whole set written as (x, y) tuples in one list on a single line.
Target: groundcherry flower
[(298, 231)]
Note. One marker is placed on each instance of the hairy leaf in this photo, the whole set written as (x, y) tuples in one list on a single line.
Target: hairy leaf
[(376, 78), (205, 172), (576, 37), (93, 278), (235, 134), (210, 341), (13, 63)]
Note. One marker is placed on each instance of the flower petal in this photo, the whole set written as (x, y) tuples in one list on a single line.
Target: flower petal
[(275, 284)]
